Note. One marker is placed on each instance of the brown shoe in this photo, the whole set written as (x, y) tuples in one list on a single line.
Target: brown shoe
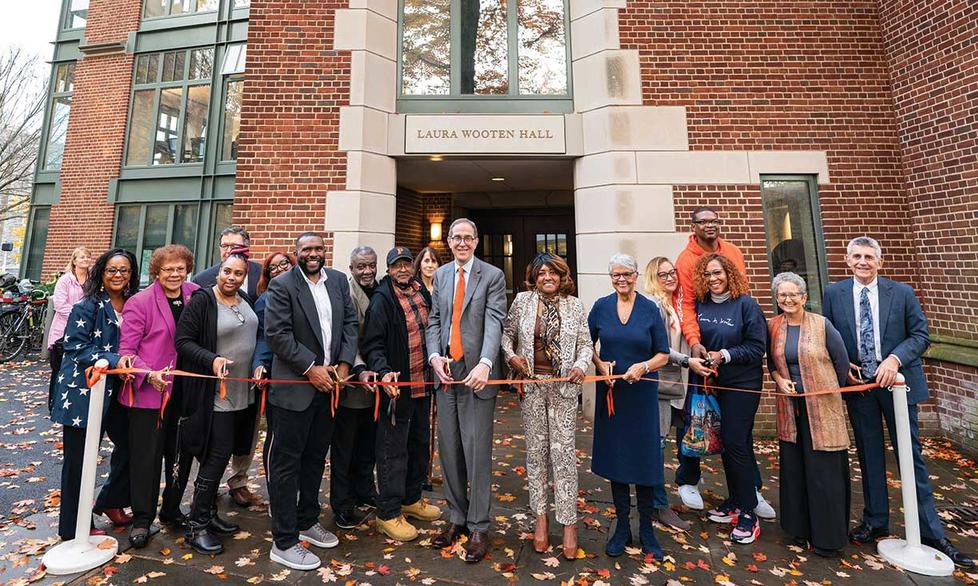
[(570, 542), (449, 536), (118, 517), (476, 547), (541, 540), (243, 497)]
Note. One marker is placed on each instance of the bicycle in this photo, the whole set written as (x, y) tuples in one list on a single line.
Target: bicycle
[(22, 326)]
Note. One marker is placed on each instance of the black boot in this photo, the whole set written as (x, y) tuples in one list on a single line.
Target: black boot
[(646, 510), (622, 537), (198, 535), (222, 526), (170, 513)]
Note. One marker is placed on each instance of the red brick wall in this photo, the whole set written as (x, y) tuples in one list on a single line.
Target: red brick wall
[(415, 212), (96, 131), (288, 157)]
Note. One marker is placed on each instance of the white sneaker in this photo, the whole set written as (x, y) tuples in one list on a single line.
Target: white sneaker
[(319, 537), (296, 557), (690, 496), (764, 510)]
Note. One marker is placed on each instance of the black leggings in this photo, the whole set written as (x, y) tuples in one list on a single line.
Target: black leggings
[(737, 411)]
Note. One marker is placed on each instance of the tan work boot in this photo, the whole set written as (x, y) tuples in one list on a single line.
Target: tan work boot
[(422, 511), (397, 528)]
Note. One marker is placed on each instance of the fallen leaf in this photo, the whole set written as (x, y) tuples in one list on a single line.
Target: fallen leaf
[(544, 576), (551, 562), (214, 570)]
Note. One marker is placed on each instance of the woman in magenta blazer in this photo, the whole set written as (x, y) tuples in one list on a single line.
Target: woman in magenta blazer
[(148, 332)]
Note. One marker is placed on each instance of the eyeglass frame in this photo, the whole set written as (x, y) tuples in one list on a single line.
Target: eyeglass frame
[(466, 238), (622, 276)]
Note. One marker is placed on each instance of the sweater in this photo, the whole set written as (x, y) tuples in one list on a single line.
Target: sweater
[(737, 326), (685, 295)]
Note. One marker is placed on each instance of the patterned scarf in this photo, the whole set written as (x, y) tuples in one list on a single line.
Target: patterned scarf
[(550, 329)]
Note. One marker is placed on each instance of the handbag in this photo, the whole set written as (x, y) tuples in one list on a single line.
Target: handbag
[(671, 383), (702, 435)]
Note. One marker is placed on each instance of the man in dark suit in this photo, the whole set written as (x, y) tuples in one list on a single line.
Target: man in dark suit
[(232, 237), (468, 305), (311, 328), (885, 332)]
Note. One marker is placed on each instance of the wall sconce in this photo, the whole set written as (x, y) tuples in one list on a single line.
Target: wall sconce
[(436, 231)]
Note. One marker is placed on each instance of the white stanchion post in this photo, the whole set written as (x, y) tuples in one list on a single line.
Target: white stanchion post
[(909, 553), (85, 552)]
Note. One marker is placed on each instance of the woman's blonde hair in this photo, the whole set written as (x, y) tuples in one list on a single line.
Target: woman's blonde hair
[(654, 289), (78, 251)]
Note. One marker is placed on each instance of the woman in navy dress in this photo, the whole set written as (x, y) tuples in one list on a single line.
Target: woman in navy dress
[(632, 342)]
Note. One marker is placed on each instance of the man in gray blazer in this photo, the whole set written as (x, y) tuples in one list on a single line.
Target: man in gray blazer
[(468, 306), (311, 328)]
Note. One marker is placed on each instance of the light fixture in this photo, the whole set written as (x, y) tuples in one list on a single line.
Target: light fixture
[(499, 179), (436, 158), (436, 231)]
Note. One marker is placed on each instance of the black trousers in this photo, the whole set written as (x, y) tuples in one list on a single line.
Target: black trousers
[(297, 445), (737, 411), (402, 453), (815, 489), (220, 446), (145, 463), (351, 459), (55, 355), (115, 492), (176, 464)]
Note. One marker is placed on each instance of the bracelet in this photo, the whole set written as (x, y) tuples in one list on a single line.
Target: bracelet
[(685, 362), (646, 365)]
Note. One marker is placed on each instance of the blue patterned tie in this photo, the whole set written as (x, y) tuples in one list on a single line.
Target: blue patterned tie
[(867, 342)]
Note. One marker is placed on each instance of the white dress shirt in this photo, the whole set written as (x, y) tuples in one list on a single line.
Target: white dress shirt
[(325, 310), (467, 267), (873, 290)]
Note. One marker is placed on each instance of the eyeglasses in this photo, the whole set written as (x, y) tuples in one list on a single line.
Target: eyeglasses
[(223, 246), (460, 239), (114, 271), (173, 270), (237, 314), (667, 274), (713, 222), (622, 276), (280, 266), (785, 296), (711, 274)]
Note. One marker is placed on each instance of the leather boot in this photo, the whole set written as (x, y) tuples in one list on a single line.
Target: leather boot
[(646, 512), (198, 535), (622, 537), (222, 526)]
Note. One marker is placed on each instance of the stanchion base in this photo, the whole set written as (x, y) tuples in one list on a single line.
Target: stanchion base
[(77, 555), (920, 559)]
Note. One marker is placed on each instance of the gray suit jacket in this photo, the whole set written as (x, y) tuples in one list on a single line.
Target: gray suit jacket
[(483, 312), (294, 334)]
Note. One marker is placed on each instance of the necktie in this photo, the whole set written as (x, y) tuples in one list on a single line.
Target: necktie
[(455, 346), (867, 341)]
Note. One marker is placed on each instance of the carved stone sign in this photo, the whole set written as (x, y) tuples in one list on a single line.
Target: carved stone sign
[(461, 134)]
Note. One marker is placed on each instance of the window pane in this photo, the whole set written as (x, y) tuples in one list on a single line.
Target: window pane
[(426, 44), (484, 46), (60, 108), (232, 121), (206, 5), (147, 68), (234, 59), (39, 240), (185, 225), (64, 78), (542, 47), (222, 219), (242, 3), (77, 14), (154, 236), (195, 128), (140, 128), (180, 6), (127, 228), (167, 125), (201, 63), (173, 65), (154, 8), (791, 236)]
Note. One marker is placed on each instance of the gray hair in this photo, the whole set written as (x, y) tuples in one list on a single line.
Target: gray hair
[(362, 251), (789, 277), (451, 228), (865, 241), (239, 230), (623, 260)]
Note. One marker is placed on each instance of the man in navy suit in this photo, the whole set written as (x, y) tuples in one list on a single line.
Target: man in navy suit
[(885, 332)]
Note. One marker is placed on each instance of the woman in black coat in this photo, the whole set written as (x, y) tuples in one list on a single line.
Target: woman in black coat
[(216, 335)]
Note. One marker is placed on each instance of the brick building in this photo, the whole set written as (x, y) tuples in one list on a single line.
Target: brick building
[(581, 126)]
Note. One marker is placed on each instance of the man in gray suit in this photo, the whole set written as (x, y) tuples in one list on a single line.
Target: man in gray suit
[(468, 305), (311, 328)]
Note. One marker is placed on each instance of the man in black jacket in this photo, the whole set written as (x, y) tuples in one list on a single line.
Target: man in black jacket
[(393, 346), (311, 328)]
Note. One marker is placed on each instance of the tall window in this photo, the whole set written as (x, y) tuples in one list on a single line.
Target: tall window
[(156, 8), (64, 80), (168, 117), (77, 14), (794, 235), (142, 229), (37, 240), (484, 47), (232, 69)]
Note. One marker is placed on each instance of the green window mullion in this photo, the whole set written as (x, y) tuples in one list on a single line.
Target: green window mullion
[(512, 37), (455, 48), (141, 233), (170, 220)]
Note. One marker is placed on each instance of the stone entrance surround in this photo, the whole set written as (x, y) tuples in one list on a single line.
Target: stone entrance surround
[(628, 156)]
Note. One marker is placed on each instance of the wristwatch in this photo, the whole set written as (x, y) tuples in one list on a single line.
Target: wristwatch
[(685, 362)]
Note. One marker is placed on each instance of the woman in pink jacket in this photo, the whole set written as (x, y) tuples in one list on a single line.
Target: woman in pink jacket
[(148, 329)]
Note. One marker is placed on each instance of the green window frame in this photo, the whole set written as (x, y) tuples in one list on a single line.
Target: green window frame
[(170, 107), (142, 228), (168, 8), (35, 242), (501, 95), (794, 236), (59, 109), (75, 14)]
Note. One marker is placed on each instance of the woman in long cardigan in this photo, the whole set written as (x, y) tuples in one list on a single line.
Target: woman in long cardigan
[(148, 334), (806, 353), (216, 335), (93, 334), (546, 336)]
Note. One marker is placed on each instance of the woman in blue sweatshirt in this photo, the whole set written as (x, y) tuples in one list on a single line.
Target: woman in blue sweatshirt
[(733, 329)]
